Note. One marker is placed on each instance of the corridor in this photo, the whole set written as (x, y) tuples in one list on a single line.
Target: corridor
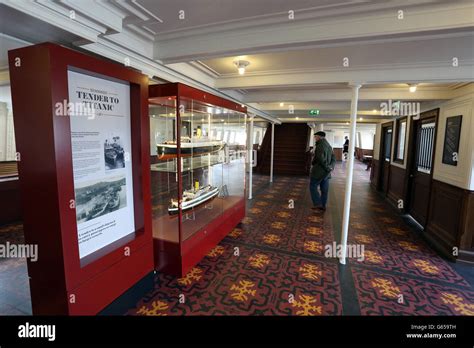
[(156, 160), (274, 263)]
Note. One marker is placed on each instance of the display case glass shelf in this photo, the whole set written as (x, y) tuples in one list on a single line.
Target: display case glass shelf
[(198, 159)]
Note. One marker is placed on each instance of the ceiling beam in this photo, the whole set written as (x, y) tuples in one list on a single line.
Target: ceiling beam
[(426, 20), (434, 73), (271, 99), (340, 119), (99, 32)]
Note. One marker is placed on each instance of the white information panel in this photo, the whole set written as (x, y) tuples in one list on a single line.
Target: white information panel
[(99, 111)]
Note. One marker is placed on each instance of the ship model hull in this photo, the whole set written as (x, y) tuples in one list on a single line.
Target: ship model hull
[(170, 151), (204, 195)]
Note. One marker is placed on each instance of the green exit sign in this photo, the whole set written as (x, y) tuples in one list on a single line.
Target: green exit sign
[(314, 112)]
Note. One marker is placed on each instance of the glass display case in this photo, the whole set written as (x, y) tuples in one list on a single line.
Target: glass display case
[(198, 162)]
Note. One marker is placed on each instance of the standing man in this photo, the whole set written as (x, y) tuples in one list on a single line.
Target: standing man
[(345, 150), (322, 165)]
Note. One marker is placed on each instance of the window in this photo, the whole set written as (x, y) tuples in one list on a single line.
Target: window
[(400, 140), (388, 143), (8, 165)]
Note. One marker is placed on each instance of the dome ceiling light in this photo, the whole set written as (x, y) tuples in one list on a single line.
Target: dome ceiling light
[(241, 66)]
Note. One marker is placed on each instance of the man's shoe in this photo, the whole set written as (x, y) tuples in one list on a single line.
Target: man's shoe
[(314, 207), (322, 208)]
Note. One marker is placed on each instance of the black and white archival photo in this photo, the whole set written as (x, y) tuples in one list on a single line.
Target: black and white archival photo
[(113, 153), (99, 198)]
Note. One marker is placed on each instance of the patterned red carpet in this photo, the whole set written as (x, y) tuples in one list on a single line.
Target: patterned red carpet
[(281, 268), (274, 263)]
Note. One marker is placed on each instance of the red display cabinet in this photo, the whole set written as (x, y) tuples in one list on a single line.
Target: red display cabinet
[(82, 133), (197, 145)]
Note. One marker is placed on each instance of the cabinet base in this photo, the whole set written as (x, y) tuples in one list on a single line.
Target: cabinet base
[(171, 259)]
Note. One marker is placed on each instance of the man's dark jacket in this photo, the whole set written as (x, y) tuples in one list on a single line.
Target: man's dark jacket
[(323, 160)]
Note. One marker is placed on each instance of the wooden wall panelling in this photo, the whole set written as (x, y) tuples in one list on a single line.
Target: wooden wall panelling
[(466, 238), (374, 173), (396, 184), (445, 213)]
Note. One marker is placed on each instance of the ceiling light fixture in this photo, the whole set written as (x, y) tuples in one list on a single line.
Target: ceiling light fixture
[(282, 104), (412, 87), (241, 66)]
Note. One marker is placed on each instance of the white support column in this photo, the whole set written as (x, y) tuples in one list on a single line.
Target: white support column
[(350, 170), (273, 148), (250, 157)]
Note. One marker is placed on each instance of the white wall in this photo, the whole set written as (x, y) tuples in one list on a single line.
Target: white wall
[(461, 175), (330, 138), (339, 138), (366, 140), (335, 135)]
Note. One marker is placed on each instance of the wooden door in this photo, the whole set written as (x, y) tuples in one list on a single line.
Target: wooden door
[(421, 167), (385, 156)]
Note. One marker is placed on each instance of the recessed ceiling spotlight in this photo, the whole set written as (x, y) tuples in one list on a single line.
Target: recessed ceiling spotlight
[(412, 87), (282, 104), (374, 111), (241, 66), (297, 118), (361, 119)]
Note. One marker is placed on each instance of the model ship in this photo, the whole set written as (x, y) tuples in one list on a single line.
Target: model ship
[(193, 198), (169, 149)]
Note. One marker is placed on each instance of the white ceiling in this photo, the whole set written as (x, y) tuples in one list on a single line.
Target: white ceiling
[(204, 13), (370, 55), (293, 60)]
